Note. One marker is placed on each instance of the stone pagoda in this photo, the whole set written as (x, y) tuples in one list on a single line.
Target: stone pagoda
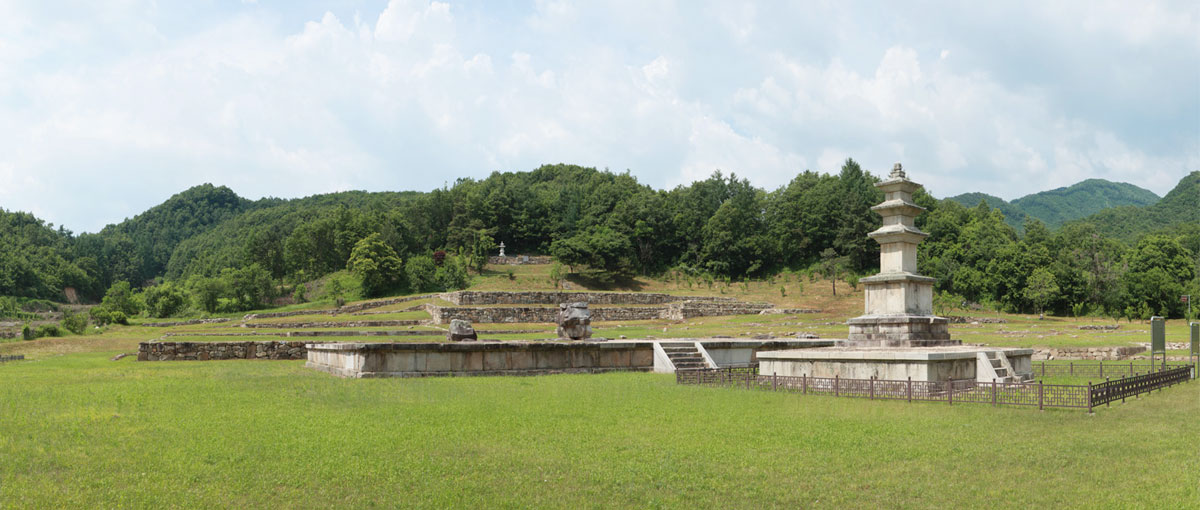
[(899, 302), (899, 338)]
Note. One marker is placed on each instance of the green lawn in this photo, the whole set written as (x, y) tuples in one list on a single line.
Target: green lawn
[(81, 431)]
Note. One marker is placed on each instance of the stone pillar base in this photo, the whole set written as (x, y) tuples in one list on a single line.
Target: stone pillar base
[(899, 331)]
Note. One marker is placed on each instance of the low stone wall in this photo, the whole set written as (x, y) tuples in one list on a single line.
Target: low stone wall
[(959, 319), (693, 308), (204, 351), (519, 260), (184, 323), (1089, 353), (534, 314), (337, 324), (468, 297), (479, 358)]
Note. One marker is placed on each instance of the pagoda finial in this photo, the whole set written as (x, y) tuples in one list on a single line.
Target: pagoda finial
[(898, 172)]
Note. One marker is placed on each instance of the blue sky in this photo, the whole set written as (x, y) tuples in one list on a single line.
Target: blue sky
[(108, 108)]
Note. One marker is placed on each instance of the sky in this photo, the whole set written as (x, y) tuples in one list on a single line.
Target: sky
[(109, 108)]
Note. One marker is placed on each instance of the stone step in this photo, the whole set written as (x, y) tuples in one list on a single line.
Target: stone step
[(679, 349), (685, 357)]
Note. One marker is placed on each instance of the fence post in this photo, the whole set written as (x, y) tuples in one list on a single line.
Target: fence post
[(1107, 388), (910, 389), (1043, 369), (1102, 369), (872, 383), (1130, 368), (835, 386), (804, 384), (774, 381), (993, 392), (1040, 400), (950, 392), (1071, 366), (1089, 402), (1124, 389)]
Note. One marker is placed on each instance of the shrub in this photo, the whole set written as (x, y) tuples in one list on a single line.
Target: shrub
[(118, 317), (45, 330), (100, 315), (27, 333), (439, 258), (74, 322), (299, 295), (452, 275)]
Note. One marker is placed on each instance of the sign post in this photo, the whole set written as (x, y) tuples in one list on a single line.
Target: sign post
[(1158, 340), (1195, 351)]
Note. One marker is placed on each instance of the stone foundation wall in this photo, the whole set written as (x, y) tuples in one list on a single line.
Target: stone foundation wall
[(695, 308), (479, 358), (203, 351), (520, 314), (1089, 353), (183, 323), (467, 297), (337, 324), (519, 260)]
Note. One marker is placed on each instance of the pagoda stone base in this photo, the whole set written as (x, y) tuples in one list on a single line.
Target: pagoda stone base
[(899, 331)]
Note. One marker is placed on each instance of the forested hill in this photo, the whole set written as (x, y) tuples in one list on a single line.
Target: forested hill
[(139, 248), (210, 242), (1057, 206), (1180, 208)]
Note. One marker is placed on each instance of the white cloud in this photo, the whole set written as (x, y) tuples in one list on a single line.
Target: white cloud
[(419, 93)]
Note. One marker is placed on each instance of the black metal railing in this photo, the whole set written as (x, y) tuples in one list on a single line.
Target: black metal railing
[(1038, 394)]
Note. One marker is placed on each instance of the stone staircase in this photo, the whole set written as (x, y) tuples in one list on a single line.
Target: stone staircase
[(684, 355), (994, 365)]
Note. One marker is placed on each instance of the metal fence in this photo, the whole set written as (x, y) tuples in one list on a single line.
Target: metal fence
[(17, 357), (1100, 369), (969, 391)]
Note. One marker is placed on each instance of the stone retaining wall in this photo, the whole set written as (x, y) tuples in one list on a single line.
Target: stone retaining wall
[(519, 260), (691, 308), (535, 314), (203, 351), (467, 297), (337, 324), (184, 323), (1089, 353)]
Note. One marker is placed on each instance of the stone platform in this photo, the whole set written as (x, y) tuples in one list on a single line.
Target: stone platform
[(360, 360), (899, 331), (921, 364)]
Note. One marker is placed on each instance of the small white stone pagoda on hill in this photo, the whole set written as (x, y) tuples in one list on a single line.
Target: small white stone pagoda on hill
[(898, 337)]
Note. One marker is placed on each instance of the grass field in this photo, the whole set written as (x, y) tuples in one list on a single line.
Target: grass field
[(81, 431)]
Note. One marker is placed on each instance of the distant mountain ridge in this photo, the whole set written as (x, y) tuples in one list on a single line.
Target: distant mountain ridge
[(1058, 206), (1179, 208)]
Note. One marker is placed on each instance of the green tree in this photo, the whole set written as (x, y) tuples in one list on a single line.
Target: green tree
[(164, 300), (376, 264), (599, 253), (832, 265), (1041, 288), (120, 298), (422, 273)]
